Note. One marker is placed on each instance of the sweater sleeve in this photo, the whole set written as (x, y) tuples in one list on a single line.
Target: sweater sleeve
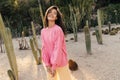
[(57, 52), (45, 57)]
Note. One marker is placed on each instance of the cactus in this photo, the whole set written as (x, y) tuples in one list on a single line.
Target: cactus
[(99, 27), (34, 51), (87, 38), (34, 35), (73, 22), (2, 50), (97, 34), (75, 28), (41, 12), (35, 41), (109, 25), (23, 45), (11, 76), (7, 38)]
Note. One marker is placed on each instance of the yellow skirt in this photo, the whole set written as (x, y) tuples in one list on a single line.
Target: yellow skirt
[(62, 73)]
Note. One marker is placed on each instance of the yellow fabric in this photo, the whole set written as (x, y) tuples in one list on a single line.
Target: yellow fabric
[(62, 73)]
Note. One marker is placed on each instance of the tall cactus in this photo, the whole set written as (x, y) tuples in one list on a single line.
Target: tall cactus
[(11, 75), (23, 42), (1, 45), (35, 41), (6, 35), (99, 27), (109, 25), (97, 34), (75, 28), (73, 22), (34, 51), (41, 12), (87, 38), (34, 35)]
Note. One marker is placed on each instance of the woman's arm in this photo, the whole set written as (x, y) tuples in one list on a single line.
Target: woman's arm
[(57, 52), (45, 56)]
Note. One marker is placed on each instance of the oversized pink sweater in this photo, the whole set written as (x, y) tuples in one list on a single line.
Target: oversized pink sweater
[(53, 47)]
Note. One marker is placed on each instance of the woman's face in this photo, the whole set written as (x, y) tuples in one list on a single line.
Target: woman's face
[(52, 15)]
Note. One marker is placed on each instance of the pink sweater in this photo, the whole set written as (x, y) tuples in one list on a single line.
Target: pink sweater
[(53, 47)]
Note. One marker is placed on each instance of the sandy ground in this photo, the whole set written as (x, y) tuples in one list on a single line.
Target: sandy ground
[(103, 64)]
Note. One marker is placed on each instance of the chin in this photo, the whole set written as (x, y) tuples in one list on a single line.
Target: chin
[(51, 19)]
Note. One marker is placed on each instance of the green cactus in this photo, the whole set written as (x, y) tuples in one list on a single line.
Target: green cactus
[(73, 22), (34, 35), (34, 52), (7, 38), (99, 27), (109, 25), (11, 76), (41, 12), (35, 41), (75, 28), (97, 34), (87, 38), (40, 58)]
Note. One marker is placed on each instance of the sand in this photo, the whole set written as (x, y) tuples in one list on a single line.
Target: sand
[(103, 64)]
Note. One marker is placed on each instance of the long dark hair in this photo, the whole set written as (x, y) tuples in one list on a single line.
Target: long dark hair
[(59, 20)]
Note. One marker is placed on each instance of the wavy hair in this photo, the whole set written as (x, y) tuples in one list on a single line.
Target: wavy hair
[(58, 21)]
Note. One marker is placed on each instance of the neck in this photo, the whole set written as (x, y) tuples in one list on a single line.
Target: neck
[(51, 24)]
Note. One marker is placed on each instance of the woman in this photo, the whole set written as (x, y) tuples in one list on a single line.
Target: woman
[(54, 54)]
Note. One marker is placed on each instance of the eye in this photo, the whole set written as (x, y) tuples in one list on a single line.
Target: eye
[(49, 11), (55, 13)]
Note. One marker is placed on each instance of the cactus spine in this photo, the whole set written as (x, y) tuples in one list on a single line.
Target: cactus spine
[(99, 27), (87, 38), (35, 41), (6, 35)]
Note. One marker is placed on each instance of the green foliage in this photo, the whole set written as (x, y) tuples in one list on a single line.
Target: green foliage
[(20, 14), (35, 13), (112, 12), (81, 9), (73, 22)]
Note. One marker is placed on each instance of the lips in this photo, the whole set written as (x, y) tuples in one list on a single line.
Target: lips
[(50, 16)]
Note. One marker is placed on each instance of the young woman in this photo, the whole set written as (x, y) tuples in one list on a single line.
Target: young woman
[(54, 53)]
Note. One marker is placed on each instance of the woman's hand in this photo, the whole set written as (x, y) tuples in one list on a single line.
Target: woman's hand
[(49, 69), (52, 72)]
